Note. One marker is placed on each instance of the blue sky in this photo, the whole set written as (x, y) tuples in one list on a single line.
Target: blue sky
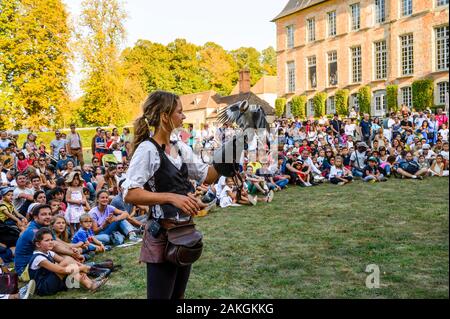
[(230, 23)]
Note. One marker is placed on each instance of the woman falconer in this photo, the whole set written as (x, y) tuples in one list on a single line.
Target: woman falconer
[(159, 176)]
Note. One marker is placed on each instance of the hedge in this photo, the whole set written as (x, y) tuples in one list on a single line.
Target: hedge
[(319, 101), (422, 94), (364, 99), (298, 106), (392, 97), (341, 100), (280, 105)]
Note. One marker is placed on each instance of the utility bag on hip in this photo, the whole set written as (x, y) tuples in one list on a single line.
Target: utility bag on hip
[(184, 245)]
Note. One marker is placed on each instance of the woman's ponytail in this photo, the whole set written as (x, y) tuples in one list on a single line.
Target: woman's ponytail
[(141, 132)]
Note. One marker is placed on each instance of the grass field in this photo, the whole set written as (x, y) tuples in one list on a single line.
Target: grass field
[(315, 243)]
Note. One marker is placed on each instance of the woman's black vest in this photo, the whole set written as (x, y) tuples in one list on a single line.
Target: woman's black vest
[(169, 179)]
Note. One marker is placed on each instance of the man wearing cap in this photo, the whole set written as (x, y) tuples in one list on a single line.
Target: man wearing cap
[(8, 214), (358, 159), (57, 144)]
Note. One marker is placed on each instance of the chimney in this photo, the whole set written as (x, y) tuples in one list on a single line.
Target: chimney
[(244, 81)]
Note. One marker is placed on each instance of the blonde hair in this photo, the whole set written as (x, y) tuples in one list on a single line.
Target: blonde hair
[(156, 103), (84, 217), (64, 236)]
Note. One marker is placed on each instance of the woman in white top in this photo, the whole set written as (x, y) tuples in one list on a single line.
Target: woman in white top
[(159, 176)]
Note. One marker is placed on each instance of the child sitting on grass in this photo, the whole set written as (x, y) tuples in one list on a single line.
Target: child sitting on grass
[(339, 174), (372, 172), (229, 196), (50, 270), (86, 236)]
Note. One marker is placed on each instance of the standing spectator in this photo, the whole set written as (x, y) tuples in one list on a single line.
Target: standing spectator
[(350, 127), (97, 134), (336, 125), (365, 128), (100, 145), (441, 118), (76, 201), (115, 136), (75, 146), (30, 144), (57, 144), (126, 136)]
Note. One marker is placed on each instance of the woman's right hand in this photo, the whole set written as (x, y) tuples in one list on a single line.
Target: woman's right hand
[(187, 204)]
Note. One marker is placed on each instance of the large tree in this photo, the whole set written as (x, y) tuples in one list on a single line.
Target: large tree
[(218, 67), (269, 61), (34, 61), (249, 58), (101, 34)]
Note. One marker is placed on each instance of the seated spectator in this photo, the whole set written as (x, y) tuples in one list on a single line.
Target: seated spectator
[(438, 167), (62, 162), (229, 196), (372, 172), (339, 174), (423, 163), (49, 270), (50, 179), (409, 168), (303, 173), (268, 176), (39, 198), (427, 153), (59, 195), (358, 159), (255, 183), (85, 236), (316, 174), (22, 196), (8, 214), (108, 221), (24, 248)]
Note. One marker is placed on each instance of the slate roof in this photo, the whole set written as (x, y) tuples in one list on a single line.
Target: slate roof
[(296, 5)]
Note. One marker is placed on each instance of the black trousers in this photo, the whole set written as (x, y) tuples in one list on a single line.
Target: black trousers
[(166, 281)]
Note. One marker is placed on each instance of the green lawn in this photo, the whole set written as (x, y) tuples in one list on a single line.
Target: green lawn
[(315, 243)]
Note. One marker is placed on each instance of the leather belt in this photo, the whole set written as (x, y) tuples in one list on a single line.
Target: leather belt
[(167, 223)]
